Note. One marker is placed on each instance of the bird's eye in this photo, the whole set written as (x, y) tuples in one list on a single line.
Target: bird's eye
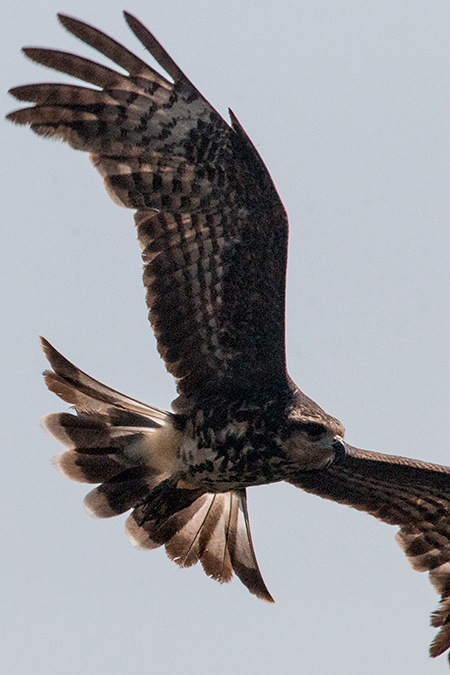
[(313, 429)]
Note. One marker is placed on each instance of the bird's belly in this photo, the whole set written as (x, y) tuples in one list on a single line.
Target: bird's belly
[(231, 464)]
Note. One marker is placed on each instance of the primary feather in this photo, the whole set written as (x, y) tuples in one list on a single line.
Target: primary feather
[(213, 233)]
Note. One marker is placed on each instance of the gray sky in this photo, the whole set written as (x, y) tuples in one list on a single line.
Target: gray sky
[(349, 104)]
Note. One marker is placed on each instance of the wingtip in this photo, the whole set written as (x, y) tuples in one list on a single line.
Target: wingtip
[(13, 91), (128, 15), (12, 116), (62, 17), (137, 27), (73, 25), (29, 51), (131, 19), (155, 48), (37, 55), (67, 21)]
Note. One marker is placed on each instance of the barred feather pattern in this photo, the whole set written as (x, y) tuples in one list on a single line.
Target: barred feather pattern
[(405, 492), (213, 234), (131, 448), (211, 225)]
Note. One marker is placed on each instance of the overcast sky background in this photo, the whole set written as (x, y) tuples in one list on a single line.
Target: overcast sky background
[(349, 105)]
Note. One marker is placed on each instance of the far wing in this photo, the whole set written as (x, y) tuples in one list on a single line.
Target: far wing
[(405, 492), (210, 222)]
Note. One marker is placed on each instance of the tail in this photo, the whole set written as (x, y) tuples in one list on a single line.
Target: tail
[(130, 448)]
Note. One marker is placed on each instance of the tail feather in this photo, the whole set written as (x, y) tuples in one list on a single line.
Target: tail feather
[(121, 458), (120, 494), (213, 530), (213, 538), (242, 553), (86, 394), (187, 547), (87, 467), (130, 448)]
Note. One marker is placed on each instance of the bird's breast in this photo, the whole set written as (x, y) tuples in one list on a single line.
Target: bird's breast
[(237, 455)]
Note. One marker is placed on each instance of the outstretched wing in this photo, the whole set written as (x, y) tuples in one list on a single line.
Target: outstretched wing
[(212, 227), (405, 492)]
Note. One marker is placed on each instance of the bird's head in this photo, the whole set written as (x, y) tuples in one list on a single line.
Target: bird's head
[(313, 439)]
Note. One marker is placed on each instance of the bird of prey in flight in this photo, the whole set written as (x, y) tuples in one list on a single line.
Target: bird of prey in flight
[(213, 233)]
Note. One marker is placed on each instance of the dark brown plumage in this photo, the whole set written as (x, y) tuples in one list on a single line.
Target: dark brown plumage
[(213, 232)]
